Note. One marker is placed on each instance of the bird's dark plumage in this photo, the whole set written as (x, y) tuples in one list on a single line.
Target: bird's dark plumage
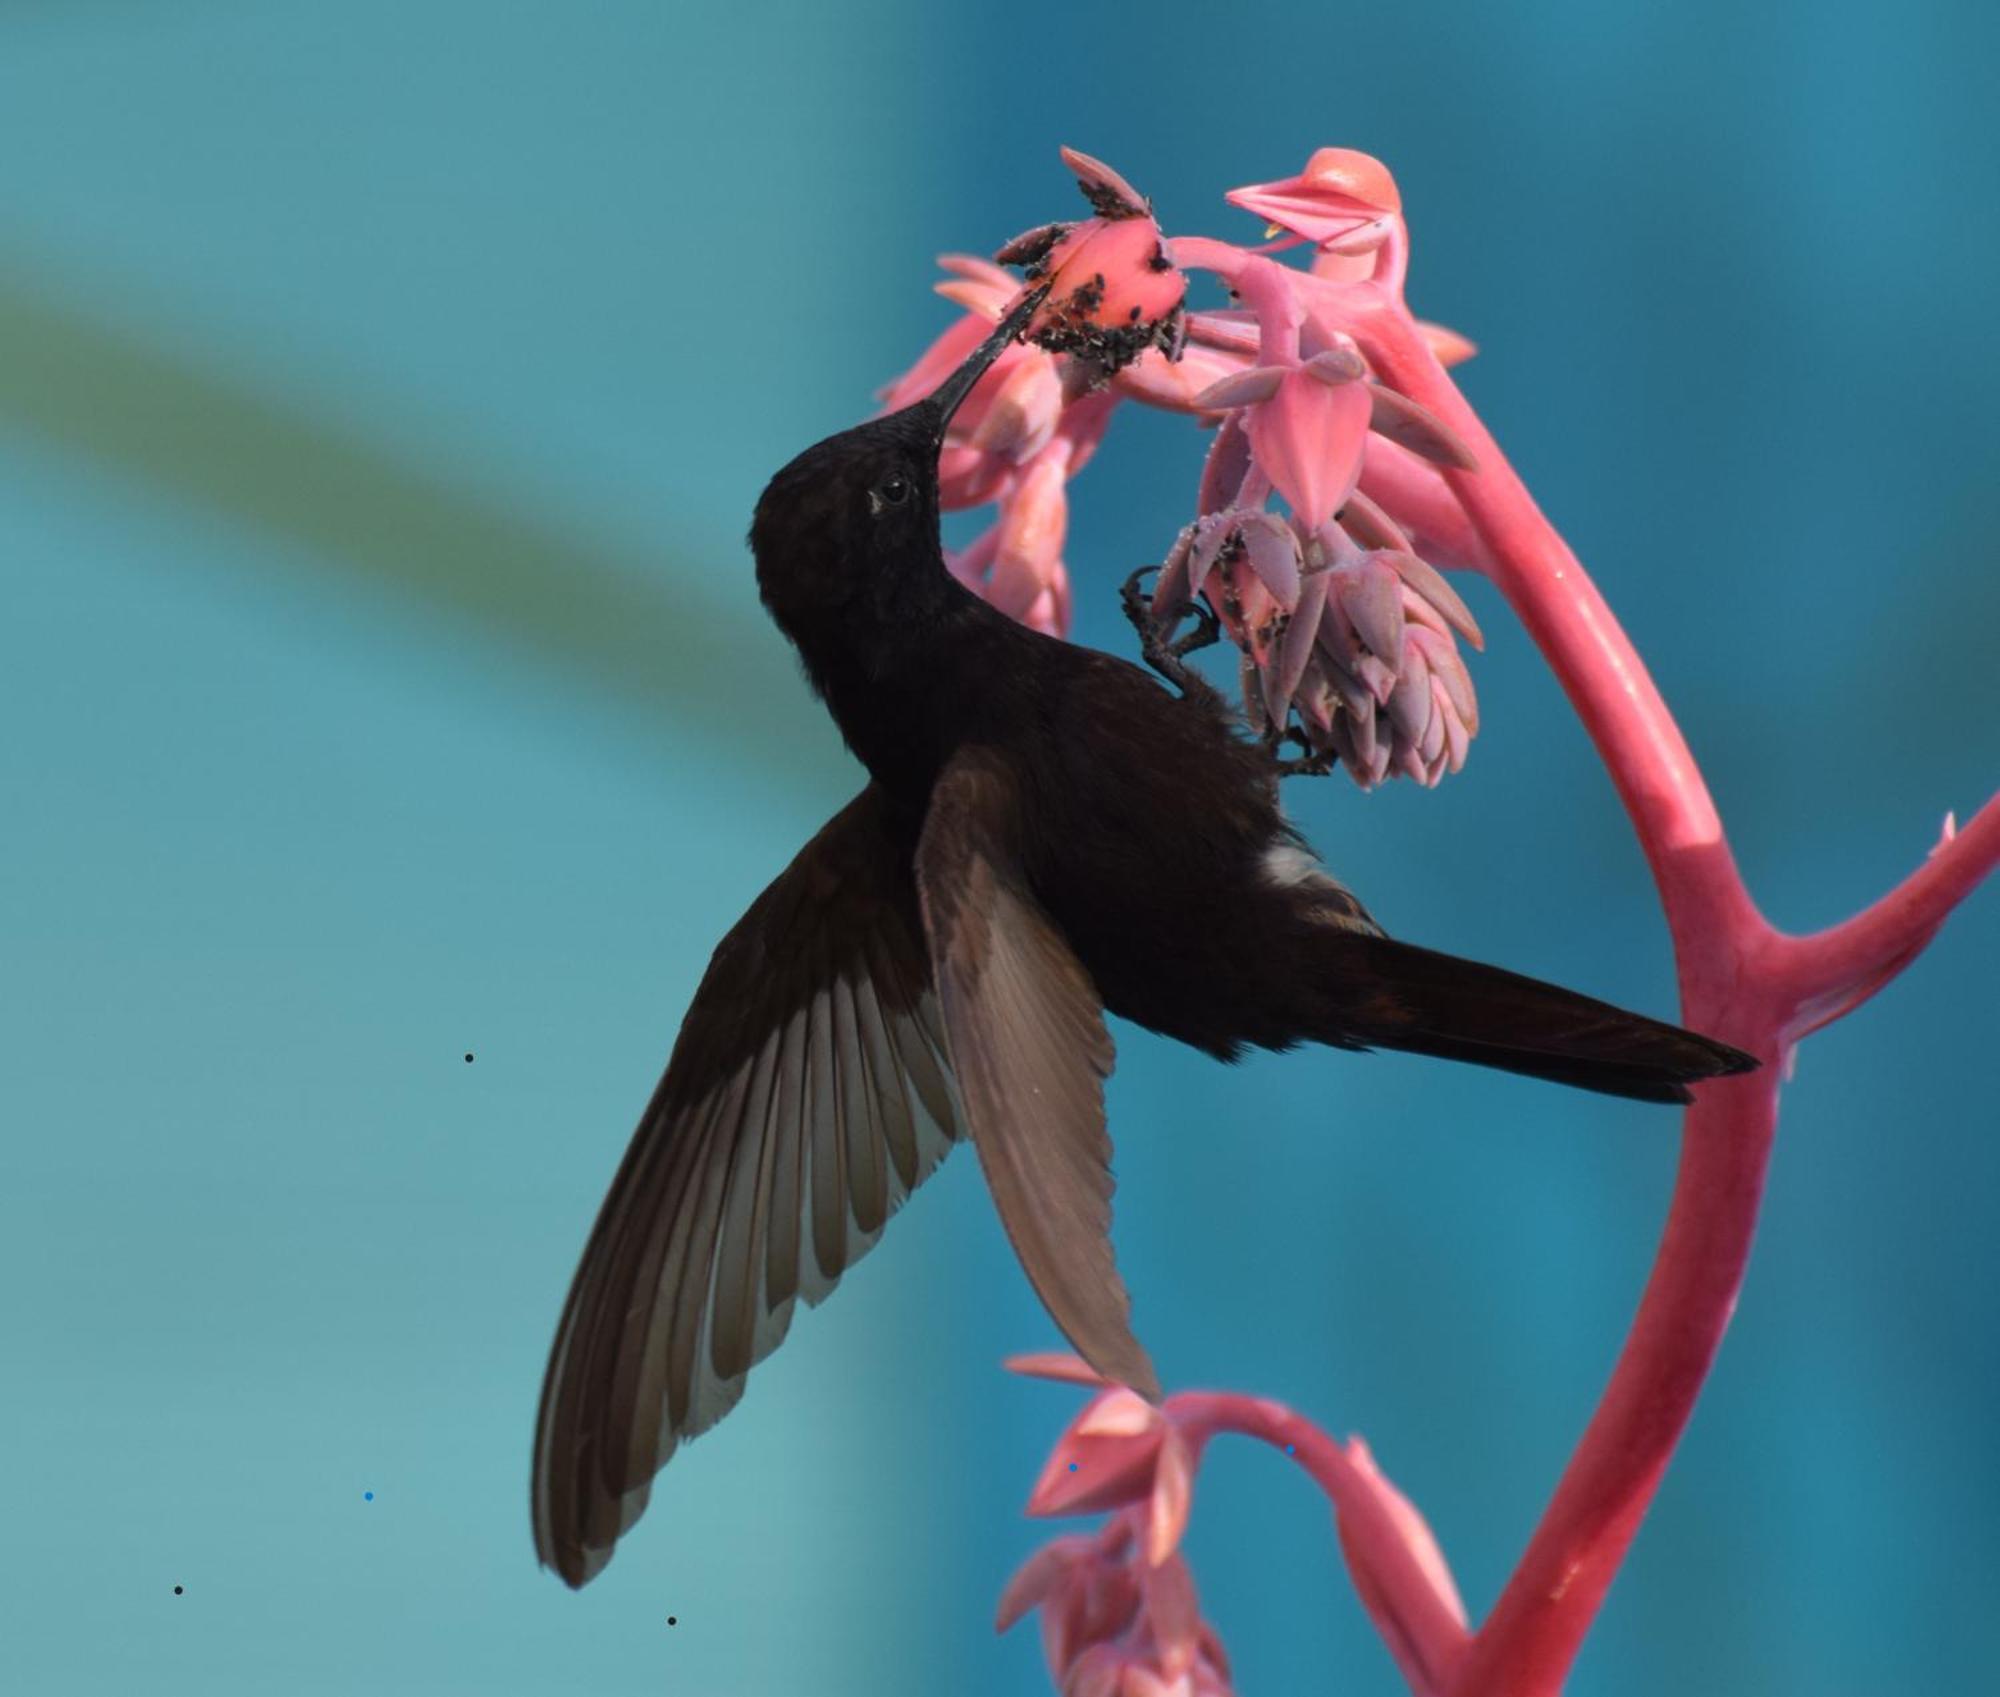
[(1047, 834)]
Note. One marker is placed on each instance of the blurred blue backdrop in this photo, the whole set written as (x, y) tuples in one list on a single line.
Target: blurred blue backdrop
[(384, 389)]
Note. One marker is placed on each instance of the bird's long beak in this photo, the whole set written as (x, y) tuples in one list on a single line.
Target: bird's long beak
[(945, 398)]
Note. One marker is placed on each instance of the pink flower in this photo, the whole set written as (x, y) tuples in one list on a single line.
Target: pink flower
[(1343, 200), (1113, 292), (1115, 1624), (1108, 1457)]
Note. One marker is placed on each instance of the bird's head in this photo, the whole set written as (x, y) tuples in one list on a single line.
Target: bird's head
[(859, 511)]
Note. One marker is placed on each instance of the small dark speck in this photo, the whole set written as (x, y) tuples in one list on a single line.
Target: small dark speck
[(177, 1590), (1072, 1467), (673, 1620), (468, 1057), (367, 1496), (1291, 1449)]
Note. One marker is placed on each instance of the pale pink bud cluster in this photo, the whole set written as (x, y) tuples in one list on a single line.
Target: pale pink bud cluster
[(1118, 1607), (1340, 621)]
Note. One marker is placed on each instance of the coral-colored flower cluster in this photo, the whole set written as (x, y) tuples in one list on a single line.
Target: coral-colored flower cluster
[(1349, 633), (1119, 1612)]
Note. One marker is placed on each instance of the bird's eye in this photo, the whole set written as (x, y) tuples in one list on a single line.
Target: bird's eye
[(894, 490)]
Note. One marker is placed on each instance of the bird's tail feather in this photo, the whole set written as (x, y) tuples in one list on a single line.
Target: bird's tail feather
[(1384, 994)]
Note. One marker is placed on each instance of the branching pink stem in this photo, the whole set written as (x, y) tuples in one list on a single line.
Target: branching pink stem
[(1740, 980)]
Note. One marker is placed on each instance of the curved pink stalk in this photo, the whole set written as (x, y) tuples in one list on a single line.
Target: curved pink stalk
[(1741, 980), (1396, 1564)]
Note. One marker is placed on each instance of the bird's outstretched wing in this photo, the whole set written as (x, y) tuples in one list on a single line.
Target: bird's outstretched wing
[(807, 1095), (1025, 1028)]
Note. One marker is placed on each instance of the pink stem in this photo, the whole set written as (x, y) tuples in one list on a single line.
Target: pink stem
[(1835, 970), (1740, 981), (1437, 1638)]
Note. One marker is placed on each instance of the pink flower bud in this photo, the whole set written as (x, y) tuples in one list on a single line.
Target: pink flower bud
[(1343, 200), (1106, 1459), (1113, 292), (1308, 438), (1034, 515)]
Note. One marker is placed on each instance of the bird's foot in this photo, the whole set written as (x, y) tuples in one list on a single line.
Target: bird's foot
[(1312, 763), (1169, 658)]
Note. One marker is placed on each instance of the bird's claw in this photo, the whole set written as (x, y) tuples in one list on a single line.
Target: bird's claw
[(1206, 633), (1313, 763), (1167, 658)]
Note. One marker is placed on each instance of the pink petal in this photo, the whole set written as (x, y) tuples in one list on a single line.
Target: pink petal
[(1173, 1487), (1172, 587), (1174, 385), (1271, 550), (1256, 610), (1228, 463), (1448, 670), (1312, 694), (1371, 595), (1308, 438), (1104, 187), (1212, 1651), (1118, 1413), (1094, 1673), (969, 478), (1173, 1614), (1295, 648), (1448, 347), (1045, 614), (1431, 744), (1417, 428), (1369, 525), (1410, 1528), (973, 269), (1428, 582), (1109, 1473), (1231, 330), (1445, 714), (1038, 1578), (1240, 388), (1409, 703), (1031, 247), (1337, 365), (1210, 533), (1033, 519), (1021, 416)]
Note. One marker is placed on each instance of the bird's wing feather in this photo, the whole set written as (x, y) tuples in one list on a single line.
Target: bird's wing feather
[(807, 1095), (1026, 1033)]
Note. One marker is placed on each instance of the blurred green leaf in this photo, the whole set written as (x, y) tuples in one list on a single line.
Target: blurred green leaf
[(104, 392)]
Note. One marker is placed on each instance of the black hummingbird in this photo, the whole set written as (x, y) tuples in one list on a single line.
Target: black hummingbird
[(1047, 833)]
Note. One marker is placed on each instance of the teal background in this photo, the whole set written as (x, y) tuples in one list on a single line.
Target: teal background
[(383, 393)]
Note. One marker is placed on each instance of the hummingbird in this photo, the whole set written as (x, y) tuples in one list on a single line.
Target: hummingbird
[(1048, 834)]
